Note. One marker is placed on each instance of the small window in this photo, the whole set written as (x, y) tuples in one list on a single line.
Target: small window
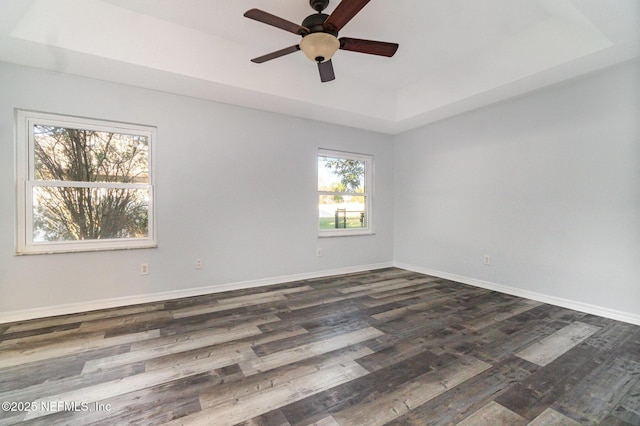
[(344, 193), (83, 184)]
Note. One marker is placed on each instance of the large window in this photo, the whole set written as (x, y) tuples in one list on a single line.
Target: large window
[(344, 193), (83, 184)]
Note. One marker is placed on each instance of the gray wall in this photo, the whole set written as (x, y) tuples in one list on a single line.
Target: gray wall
[(235, 187), (547, 184)]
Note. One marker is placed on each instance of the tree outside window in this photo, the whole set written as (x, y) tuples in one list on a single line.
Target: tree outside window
[(344, 190), (87, 184)]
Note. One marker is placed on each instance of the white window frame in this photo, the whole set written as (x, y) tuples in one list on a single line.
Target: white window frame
[(25, 182), (368, 193)]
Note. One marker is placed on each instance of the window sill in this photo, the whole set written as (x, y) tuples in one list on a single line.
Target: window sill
[(357, 233), (82, 250)]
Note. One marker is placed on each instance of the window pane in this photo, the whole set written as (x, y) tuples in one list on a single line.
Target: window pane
[(75, 155), (74, 214), (340, 174), (338, 212)]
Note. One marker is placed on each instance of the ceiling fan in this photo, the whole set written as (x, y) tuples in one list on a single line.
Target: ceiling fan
[(320, 35)]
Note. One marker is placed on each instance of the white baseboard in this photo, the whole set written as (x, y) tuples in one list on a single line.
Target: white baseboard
[(74, 308), (539, 297), (92, 305)]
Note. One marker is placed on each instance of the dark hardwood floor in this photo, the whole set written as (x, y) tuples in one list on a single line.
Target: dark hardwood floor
[(381, 347)]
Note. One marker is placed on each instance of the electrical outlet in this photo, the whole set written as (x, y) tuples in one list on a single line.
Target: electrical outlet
[(319, 252), (487, 259), (198, 263), (144, 269)]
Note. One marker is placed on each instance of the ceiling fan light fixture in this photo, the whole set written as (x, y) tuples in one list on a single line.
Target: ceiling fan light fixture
[(319, 33), (319, 47)]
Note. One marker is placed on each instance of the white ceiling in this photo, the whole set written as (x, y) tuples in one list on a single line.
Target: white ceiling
[(454, 55)]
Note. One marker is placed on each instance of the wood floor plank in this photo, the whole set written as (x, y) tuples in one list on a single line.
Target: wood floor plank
[(191, 324), (358, 292), (420, 324), (49, 391), (193, 311), (269, 399), (326, 421), (272, 418), (150, 406), (417, 295), (470, 396), (387, 346), (600, 391), (551, 347), (622, 416), (395, 354), (251, 298), (379, 382), (228, 392), (552, 417), (124, 320), (611, 336), (629, 347), (413, 285), (328, 301), (83, 317), (289, 356), (220, 349), (493, 414), (38, 334), (11, 357), (219, 355), (48, 339), (217, 328), (417, 306), (369, 287), (19, 376), (144, 380), (157, 351), (629, 407), (311, 336), (534, 394), (523, 337), (321, 312), (411, 394), (234, 302), (486, 320)]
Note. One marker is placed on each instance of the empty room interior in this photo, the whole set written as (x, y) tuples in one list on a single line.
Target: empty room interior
[(319, 212)]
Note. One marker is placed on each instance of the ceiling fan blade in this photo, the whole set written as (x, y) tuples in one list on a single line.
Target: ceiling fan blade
[(276, 54), (343, 13), (275, 21), (371, 47), (326, 71)]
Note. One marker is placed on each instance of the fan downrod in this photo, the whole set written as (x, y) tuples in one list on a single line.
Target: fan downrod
[(319, 5)]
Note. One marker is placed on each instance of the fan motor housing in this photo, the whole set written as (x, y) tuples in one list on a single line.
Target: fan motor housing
[(315, 23)]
